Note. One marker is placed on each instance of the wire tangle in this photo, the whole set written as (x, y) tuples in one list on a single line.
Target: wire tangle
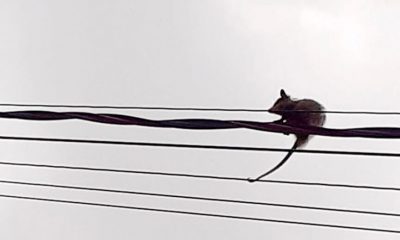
[(200, 124), (205, 124)]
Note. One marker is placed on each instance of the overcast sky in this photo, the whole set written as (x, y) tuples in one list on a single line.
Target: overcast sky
[(187, 53)]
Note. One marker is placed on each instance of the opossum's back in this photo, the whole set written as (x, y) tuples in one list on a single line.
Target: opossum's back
[(309, 118)]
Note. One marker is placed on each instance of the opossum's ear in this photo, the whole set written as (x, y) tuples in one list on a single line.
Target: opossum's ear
[(283, 94)]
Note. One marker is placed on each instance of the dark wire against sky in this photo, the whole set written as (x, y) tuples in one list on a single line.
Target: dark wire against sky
[(204, 124), (205, 109)]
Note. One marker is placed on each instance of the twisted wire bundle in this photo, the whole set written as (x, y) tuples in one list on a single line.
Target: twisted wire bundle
[(204, 124)]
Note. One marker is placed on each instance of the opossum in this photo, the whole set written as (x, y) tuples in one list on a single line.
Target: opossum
[(304, 112)]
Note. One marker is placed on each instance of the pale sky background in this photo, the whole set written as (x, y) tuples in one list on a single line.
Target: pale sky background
[(187, 53)]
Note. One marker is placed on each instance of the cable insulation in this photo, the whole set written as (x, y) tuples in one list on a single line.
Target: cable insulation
[(205, 124)]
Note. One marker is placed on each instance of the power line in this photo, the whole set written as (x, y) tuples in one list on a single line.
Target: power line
[(135, 107), (201, 198), (203, 124), (202, 214), (198, 176), (196, 146), (181, 108)]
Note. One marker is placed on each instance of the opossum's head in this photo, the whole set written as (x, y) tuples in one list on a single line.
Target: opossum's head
[(281, 105)]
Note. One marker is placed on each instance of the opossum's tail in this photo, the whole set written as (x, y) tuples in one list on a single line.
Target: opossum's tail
[(300, 140)]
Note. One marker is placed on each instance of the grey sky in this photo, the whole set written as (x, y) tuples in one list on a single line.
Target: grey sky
[(232, 54)]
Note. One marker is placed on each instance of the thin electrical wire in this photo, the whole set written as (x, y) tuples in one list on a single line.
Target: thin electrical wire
[(199, 176), (180, 212), (181, 108), (187, 197), (196, 146)]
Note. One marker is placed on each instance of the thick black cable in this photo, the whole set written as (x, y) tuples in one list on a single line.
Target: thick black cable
[(199, 176), (187, 197), (204, 124), (196, 146), (181, 108), (202, 214)]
